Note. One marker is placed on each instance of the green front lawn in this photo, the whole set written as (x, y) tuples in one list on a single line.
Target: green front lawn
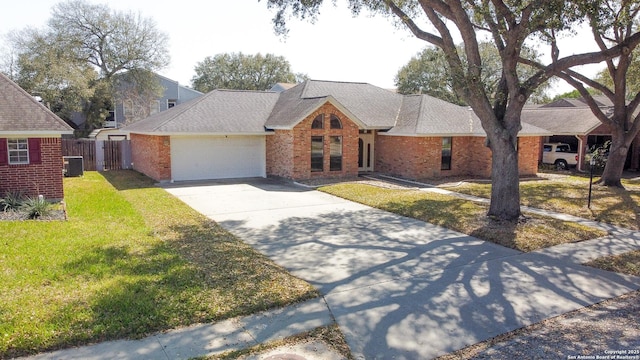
[(533, 232), (569, 195), (130, 260)]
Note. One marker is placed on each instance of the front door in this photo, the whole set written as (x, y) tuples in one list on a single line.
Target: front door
[(365, 150)]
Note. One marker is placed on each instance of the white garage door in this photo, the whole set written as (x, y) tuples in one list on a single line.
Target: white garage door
[(217, 157)]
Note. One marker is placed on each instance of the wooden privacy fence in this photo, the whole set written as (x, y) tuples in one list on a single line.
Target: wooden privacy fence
[(99, 154)]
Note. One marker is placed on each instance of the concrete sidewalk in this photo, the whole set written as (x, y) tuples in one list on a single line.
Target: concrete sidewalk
[(209, 339), (397, 287)]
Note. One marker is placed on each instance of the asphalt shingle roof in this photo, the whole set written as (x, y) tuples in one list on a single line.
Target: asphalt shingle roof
[(562, 120), (20, 112), (218, 112), (237, 112), (370, 105), (426, 115)]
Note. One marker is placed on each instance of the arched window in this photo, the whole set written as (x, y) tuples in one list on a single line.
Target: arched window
[(318, 122), (335, 122)]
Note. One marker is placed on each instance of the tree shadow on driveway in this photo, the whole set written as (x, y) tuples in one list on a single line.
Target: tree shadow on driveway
[(401, 288)]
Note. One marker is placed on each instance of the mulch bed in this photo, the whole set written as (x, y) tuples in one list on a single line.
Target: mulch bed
[(13, 215)]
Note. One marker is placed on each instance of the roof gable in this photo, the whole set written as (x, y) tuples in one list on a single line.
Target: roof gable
[(293, 107), (373, 106), (21, 113)]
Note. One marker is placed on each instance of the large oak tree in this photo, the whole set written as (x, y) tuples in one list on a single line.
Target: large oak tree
[(614, 22), (509, 25), (77, 60)]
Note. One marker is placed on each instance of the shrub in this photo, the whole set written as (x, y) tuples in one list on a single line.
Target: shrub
[(12, 201), (36, 207)]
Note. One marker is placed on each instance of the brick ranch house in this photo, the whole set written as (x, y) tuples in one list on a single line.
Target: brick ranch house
[(317, 129), (30, 144)]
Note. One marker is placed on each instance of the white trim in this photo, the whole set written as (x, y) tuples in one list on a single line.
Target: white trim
[(18, 151)]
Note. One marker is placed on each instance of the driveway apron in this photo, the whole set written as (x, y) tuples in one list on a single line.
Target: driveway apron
[(397, 287)]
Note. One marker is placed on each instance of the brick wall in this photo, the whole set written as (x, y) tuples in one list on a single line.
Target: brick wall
[(420, 157), (408, 156), (528, 149), (151, 155), (279, 155), (289, 151), (40, 179)]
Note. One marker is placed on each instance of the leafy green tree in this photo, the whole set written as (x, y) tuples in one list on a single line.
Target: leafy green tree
[(573, 94), (74, 62), (509, 25), (49, 72), (242, 72), (113, 41), (614, 23), (428, 73)]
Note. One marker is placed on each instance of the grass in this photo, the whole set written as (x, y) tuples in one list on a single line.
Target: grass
[(131, 260), (330, 335), (569, 195), (468, 217), (627, 263)]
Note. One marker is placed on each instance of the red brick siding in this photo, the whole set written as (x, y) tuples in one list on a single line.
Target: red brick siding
[(42, 179), (408, 156), (289, 151), (280, 154), (420, 157), (151, 155), (470, 157), (528, 149)]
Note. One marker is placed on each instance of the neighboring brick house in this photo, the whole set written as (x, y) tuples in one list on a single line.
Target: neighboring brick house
[(317, 129), (30, 144)]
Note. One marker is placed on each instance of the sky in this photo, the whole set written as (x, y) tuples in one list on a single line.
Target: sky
[(338, 46)]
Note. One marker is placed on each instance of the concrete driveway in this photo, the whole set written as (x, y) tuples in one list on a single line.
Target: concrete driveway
[(399, 288)]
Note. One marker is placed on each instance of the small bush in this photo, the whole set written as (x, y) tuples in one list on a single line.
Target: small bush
[(36, 207), (12, 201)]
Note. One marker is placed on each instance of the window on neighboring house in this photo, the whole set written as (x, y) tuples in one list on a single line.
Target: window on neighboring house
[(317, 153), (335, 156), (171, 103), (18, 150), (154, 107), (318, 122), (335, 122), (446, 153)]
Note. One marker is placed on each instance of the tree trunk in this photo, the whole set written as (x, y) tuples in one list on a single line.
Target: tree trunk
[(614, 167), (505, 189)]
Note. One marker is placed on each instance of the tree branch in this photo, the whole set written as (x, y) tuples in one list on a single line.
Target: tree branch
[(413, 27), (595, 109)]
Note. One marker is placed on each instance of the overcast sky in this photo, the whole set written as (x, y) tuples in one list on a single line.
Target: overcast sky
[(337, 47)]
